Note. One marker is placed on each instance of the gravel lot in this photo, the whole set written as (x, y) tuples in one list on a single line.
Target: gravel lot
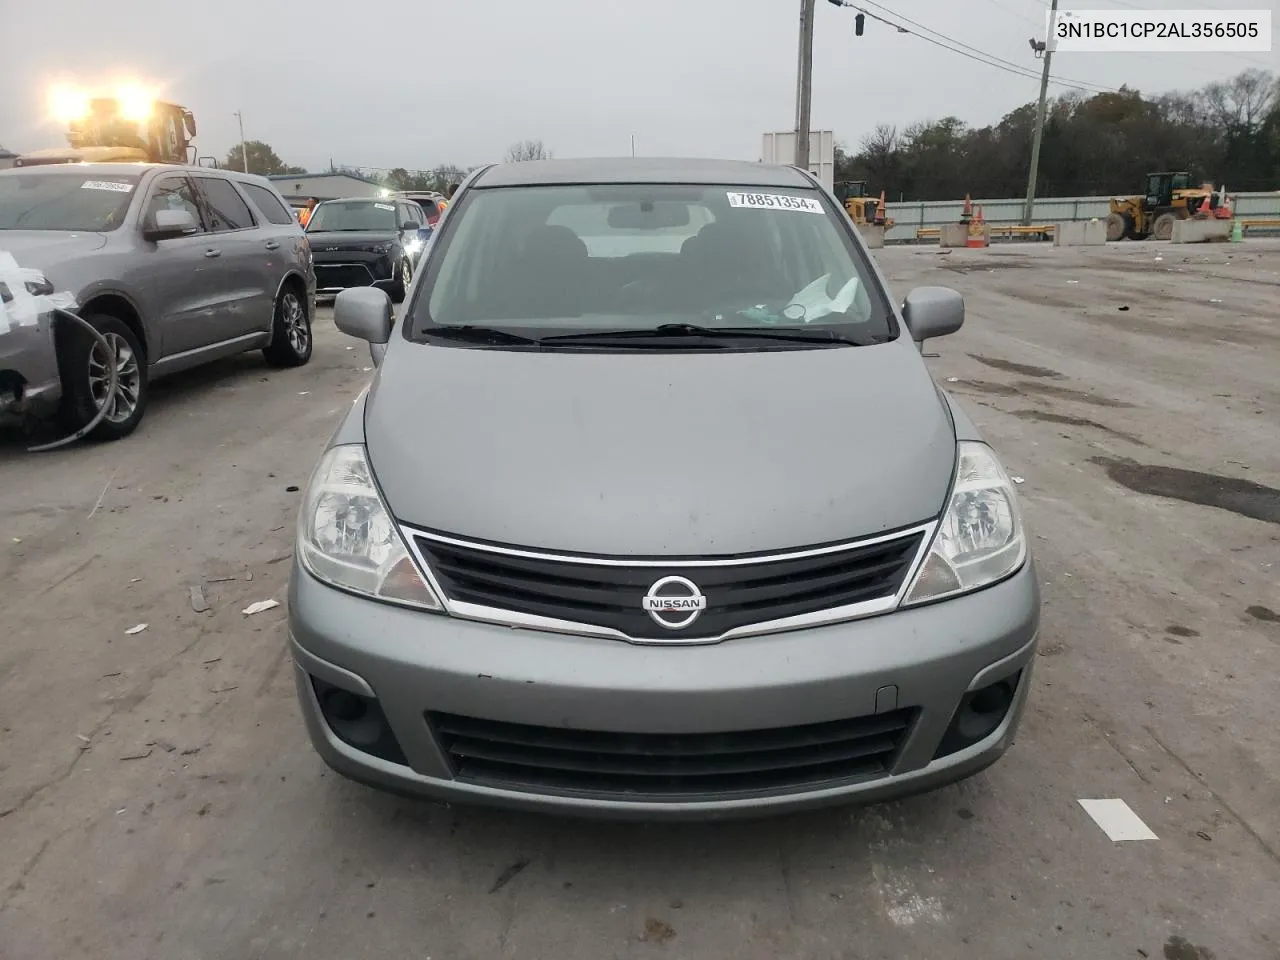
[(159, 799)]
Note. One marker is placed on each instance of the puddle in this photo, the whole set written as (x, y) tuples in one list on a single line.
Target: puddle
[(1243, 497), (1044, 416), (1021, 369), (1266, 614)]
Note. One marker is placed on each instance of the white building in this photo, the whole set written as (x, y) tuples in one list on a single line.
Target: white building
[(324, 186)]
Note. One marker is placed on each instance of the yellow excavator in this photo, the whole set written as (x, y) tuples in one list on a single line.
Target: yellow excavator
[(1169, 198), (861, 207), (131, 127)]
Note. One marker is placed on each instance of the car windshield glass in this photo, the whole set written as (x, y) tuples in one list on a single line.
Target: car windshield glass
[(556, 260), (353, 215), (64, 200)]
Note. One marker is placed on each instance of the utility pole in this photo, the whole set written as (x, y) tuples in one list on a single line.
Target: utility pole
[(633, 144), (1035, 140), (244, 150), (804, 83)]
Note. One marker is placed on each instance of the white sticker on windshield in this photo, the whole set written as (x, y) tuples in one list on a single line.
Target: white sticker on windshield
[(111, 185), (774, 201), (386, 206)]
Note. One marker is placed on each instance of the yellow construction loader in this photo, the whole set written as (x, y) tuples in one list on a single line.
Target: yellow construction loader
[(129, 127), (861, 207), (1169, 198)]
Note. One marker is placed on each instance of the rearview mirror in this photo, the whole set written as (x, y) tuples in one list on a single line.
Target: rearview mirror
[(648, 215), (365, 313), (168, 224), (932, 312)]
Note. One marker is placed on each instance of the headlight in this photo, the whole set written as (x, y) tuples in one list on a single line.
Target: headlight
[(39, 288), (980, 539), (384, 247), (346, 536)]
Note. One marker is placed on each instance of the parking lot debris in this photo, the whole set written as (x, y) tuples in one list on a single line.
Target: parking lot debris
[(198, 602), (133, 631), (1123, 307), (259, 607), (138, 756)]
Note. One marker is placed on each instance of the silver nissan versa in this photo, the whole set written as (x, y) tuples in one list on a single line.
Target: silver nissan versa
[(652, 509)]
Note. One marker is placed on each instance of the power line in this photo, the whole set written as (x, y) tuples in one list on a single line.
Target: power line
[(973, 53), (1085, 85)]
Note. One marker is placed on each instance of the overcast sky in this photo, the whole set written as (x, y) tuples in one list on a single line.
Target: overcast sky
[(416, 83)]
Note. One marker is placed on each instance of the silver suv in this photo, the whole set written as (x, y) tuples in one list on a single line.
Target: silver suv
[(175, 266)]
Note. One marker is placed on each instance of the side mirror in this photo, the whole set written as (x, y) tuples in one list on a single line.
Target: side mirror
[(365, 313), (168, 224), (408, 225), (932, 312)]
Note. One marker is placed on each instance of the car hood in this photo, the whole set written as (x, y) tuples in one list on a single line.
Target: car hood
[(322, 240), (45, 249), (708, 453)]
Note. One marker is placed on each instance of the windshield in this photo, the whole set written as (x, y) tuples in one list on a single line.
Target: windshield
[(353, 215), (556, 260), (64, 200)]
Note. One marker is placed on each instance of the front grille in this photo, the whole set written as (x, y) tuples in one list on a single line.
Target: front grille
[(612, 595), (343, 275), (682, 766)]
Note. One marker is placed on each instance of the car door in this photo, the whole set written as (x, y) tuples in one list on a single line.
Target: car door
[(281, 235), (182, 291), (239, 250)]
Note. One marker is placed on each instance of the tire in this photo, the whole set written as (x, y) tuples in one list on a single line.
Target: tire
[(1163, 229), (1116, 227), (404, 278), (291, 339), (84, 379)]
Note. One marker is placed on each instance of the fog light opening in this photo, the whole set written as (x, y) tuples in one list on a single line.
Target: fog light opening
[(979, 715), (358, 721)]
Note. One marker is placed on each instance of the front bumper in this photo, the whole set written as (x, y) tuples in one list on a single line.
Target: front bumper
[(921, 661), (29, 381), (341, 270)]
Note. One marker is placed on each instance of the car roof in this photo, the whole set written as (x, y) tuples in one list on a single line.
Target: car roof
[(138, 169), (361, 199), (641, 170)]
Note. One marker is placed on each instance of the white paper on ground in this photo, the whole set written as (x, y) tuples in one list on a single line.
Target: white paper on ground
[(260, 606), (1117, 820)]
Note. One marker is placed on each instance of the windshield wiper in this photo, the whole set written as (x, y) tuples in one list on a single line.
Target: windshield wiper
[(470, 333), (675, 330)]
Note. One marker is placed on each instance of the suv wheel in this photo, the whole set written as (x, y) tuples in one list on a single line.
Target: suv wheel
[(405, 278), (87, 376), (291, 331)]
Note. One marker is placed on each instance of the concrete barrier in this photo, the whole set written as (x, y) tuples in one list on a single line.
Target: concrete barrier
[(1201, 231), (953, 234), (872, 235), (1081, 233)]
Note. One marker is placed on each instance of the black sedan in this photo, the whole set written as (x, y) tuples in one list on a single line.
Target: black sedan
[(367, 242)]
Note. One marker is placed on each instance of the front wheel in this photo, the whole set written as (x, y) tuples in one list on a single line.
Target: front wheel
[(87, 379), (291, 331), (1116, 227), (1164, 226), (404, 277)]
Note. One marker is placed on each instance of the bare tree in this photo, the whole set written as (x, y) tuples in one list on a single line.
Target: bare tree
[(1243, 101), (527, 150)]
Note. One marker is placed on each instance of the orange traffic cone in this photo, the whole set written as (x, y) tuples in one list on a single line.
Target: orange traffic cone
[(967, 213)]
